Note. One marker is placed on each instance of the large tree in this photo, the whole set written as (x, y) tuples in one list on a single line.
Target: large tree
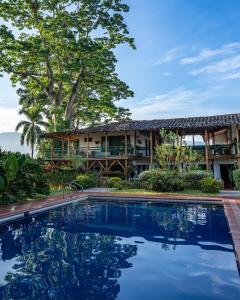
[(62, 51)]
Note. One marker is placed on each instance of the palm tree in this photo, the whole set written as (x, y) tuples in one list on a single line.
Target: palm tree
[(32, 127)]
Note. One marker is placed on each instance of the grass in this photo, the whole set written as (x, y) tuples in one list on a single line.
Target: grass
[(51, 194), (145, 192)]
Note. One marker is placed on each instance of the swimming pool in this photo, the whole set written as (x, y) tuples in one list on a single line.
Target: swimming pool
[(108, 250)]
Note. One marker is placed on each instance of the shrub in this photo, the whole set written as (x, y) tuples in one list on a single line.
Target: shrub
[(236, 178), (20, 177), (86, 180), (161, 180), (118, 183), (57, 179), (192, 178), (210, 185), (112, 182)]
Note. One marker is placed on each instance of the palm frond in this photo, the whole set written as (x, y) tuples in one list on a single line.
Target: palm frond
[(21, 124)]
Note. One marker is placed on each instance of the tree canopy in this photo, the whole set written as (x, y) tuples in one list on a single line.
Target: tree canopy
[(61, 52)]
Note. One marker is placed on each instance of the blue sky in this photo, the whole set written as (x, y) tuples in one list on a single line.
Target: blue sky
[(187, 60)]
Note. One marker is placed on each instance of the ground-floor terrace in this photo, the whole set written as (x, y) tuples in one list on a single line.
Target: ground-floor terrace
[(130, 147)]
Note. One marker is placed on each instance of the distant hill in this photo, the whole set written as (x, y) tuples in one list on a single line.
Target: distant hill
[(10, 141)]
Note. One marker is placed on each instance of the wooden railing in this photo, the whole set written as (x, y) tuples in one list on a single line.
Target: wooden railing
[(121, 151)]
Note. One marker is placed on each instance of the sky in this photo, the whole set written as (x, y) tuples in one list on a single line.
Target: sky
[(187, 61)]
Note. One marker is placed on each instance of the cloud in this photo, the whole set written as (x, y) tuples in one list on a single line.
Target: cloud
[(207, 53), (167, 74), (223, 66), (177, 103), (169, 56), (9, 119)]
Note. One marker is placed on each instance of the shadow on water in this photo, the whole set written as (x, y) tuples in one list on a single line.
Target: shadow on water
[(80, 251)]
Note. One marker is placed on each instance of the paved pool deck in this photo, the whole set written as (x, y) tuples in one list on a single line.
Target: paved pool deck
[(230, 202)]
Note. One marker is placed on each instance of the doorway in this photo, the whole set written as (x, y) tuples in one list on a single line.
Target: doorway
[(226, 176)]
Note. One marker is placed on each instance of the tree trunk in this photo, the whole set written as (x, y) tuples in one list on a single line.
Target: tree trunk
[(75, 89), (32, 150)]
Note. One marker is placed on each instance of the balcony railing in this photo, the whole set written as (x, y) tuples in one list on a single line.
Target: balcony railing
[(216, 149), (91, 152), (119, 151)]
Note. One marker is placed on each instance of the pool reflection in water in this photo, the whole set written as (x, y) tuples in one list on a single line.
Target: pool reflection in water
[(107, 250)]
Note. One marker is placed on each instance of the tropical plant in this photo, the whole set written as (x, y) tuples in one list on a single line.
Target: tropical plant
[(192, 178), (174, 152), (236, 178), (20, 177), (161, 180), (58, 179), (32, 128), (62, 55), (210, 185), (85, 180)]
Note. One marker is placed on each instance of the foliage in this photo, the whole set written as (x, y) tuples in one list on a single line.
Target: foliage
[(57, 179), (161, 180), (86, 180), (20, 177), (173, 152), (118, 183), (236, 178), (112, 182), (31, 128), (192, 178), (210, 185), (62, 55), (77, 162)]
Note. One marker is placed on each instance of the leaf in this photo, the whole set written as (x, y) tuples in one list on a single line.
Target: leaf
[(11, 167), (2, 185)]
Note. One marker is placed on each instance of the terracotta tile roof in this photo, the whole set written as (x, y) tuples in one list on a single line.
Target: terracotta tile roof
[(190, 125)]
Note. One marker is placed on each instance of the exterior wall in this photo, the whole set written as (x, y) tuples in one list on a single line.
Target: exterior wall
[(221, 139)]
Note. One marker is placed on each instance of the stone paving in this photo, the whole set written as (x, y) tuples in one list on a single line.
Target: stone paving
[(231, 206)]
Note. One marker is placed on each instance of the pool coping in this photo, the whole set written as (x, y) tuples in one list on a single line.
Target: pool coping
[(231, 207)]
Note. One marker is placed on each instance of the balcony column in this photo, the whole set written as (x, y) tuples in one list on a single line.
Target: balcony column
[(206, 150), (214, 143), (238, 150), (126, 152), (87, 150), (68, 149), (151, 149), (106, 150), (63, 148), (52, 147), (134, 143)]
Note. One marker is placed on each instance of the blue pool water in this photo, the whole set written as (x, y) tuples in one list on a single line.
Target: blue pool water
[(127, 251)]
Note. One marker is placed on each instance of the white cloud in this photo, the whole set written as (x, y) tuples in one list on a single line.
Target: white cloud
[(169, 56), (177, 103), (207, 53), (223, 66), (167, 74), (234, 75), (9, 119)]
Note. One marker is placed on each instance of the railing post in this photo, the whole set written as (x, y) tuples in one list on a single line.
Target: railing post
[(134, 143), (206, 150), (151, 148), (238, 150), (68, 148), (87, 150), (126, 152), (62, 148), (106, 145)]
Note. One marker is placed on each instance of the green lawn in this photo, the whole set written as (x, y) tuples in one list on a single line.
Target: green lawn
[(144, 192)]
